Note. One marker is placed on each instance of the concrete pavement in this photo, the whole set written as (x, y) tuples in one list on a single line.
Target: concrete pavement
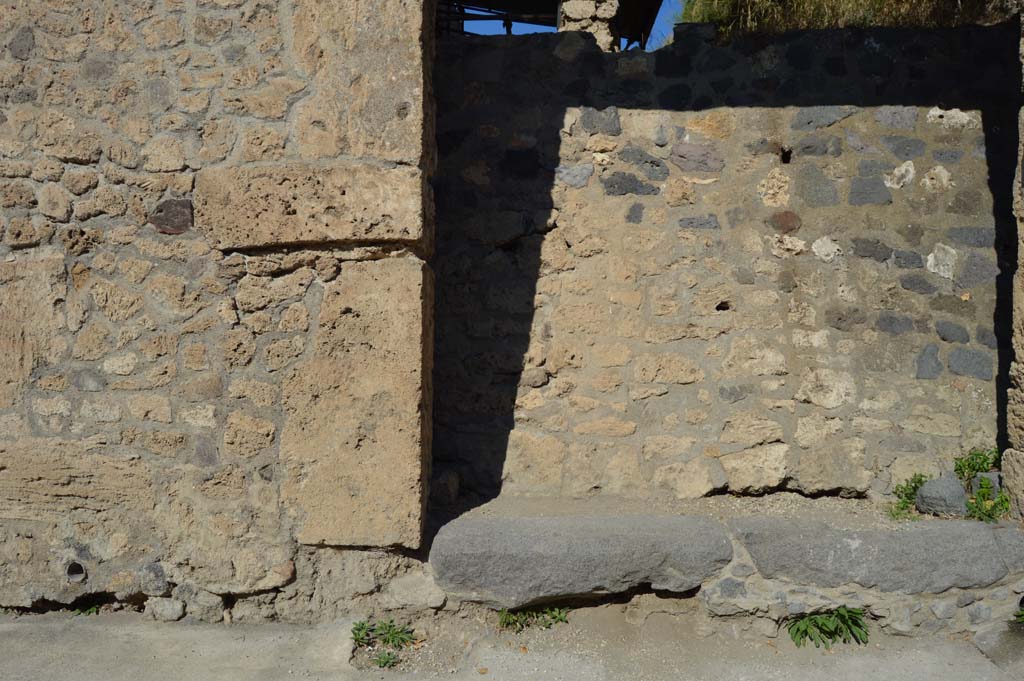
[(597, 645)]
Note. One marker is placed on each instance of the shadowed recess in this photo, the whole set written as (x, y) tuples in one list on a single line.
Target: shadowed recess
[(502, 104)]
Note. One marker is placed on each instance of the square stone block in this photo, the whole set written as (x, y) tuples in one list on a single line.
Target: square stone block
[(370, 64), (357, 438), (32, 286), (293, 204)]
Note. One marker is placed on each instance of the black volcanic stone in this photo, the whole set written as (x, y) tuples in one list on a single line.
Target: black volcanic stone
[(173, 216)]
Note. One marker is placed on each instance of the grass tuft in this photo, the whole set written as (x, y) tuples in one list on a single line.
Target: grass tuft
[(519, 620), (385, 659), (392, 635), (362, 634), (382, 639)]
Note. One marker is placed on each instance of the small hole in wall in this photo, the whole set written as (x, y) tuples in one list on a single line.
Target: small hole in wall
[(723, 306), (786, 154), (75, 572)]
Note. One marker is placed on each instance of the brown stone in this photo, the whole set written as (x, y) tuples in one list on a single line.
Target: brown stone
[(205, 387), (246, 435), (218, 138), (610, 426), (846, 468), (164, 154), (47, 170), (262, 143), (826, 388), (758, 470), (294, 318), (533, 464), (150, 408), (27, 232), (281, 353), (1013, 480), (693, 479), (750, 428), (80, 180), (380, 116), (256, 293), (356, 439), (785, 221), (238, 347), (41, 476), (54, 202), (75, 146), (92, 342), (667, 368), (257, 206), (107, 200), (748, 355), (164, 443), (17, 194), (116, 302), (259, 393), (30, 288), (270, 101)]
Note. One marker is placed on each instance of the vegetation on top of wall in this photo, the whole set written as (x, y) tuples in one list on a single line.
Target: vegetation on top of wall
[(783, 15)]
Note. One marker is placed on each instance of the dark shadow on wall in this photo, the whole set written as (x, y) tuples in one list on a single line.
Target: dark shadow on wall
[(1001, 145), (494, 197)]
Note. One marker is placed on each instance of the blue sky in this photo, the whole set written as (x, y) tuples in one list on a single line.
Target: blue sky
[(662, 27), (663, 24)]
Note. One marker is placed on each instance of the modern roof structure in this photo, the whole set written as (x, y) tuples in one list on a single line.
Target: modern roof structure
[(634, 21)]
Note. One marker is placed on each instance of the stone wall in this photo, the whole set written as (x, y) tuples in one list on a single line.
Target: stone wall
[(216, 308), (777, 264), (712, 268), (591, 16)]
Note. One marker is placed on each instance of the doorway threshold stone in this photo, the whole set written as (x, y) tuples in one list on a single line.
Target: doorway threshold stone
[(515, 561)]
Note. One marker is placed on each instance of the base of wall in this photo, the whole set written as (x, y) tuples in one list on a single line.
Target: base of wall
[(915, 578)]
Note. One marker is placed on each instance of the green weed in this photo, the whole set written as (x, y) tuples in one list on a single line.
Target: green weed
[(906, 494), (387, 634), (392, 635), (823, 629), (987, 506), (519, 620), (380, 636), (91, 610), (385, 659), (362, 634), (976, 461), (1019, 617)]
